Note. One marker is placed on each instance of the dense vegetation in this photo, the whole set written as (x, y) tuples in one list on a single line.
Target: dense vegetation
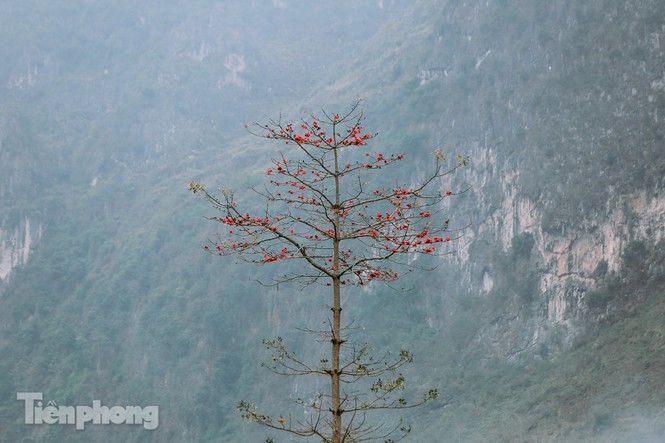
[(109, 111)]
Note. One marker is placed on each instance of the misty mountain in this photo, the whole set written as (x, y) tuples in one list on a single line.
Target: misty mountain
[(545, 325)]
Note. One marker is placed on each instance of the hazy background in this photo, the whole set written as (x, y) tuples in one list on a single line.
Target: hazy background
[(545, 326)]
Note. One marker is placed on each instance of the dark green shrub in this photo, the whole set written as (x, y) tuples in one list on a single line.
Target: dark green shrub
[(598, 299), (522, 245)]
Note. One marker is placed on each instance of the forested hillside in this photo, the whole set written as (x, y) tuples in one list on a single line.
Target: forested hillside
[(545, 325)]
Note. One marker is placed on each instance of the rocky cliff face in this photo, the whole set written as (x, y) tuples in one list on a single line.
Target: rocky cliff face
[(16, 245), (562, 123), (562, 266)]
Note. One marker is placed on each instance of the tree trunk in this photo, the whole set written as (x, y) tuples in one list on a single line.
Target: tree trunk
[(335, 399), (335, 371)]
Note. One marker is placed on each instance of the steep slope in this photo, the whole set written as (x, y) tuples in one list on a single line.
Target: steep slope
[(110, 112), (566, 205), (563, 128), (544, 326)]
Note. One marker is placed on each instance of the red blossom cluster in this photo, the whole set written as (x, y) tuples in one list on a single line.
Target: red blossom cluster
[(283, 255), (312, 134), (318, 214), (244, 220)]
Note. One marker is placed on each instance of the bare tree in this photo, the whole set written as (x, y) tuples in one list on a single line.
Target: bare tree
[(321, 211)]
